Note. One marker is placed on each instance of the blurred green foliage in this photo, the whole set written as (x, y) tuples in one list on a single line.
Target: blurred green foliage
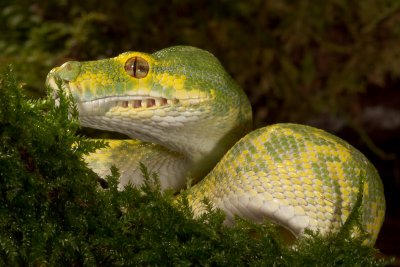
[(54, 213), (295, 59)]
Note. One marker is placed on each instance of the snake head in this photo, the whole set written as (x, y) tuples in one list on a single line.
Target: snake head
[(180, 97)]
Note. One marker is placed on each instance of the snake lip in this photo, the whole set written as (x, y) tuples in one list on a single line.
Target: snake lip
[(136, 102), (146, 102), (105, 104), (100, 106)]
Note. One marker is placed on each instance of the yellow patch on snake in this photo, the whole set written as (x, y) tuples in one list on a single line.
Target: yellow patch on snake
[(94, 79), (171, 80), (122, 58)]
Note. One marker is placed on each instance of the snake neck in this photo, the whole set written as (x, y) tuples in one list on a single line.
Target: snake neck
[(201, 142)]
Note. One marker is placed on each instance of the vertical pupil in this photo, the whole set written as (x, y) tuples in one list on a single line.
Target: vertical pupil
[(137, 67), (134, 66)]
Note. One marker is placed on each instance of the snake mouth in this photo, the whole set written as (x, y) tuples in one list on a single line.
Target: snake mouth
[(143, 102), (132, 103), (103, 105)]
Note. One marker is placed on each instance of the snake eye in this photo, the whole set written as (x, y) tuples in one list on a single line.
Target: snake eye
[(137, 67)]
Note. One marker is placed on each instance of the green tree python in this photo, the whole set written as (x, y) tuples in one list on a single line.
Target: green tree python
[(189, 119)]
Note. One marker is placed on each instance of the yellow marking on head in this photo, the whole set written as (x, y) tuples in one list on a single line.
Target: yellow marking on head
[(92, 83), (171, 80), (98, 78), (122, 58), (177, 83)]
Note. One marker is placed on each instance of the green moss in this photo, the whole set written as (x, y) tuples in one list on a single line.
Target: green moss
[(54, 213)]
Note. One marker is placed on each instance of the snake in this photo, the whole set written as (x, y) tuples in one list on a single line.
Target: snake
[(186, 119)]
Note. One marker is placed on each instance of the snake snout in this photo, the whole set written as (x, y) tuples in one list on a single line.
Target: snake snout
[(69, 71), (59, 78)]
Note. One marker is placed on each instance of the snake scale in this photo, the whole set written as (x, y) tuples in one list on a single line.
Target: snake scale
[(189, 119)]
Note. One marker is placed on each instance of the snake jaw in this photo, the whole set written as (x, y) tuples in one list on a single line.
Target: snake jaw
[(102, 106)]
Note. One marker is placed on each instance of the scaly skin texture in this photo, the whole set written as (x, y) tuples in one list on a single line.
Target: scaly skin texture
[(189, 113)]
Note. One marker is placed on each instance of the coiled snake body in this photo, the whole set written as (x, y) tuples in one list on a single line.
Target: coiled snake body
[(189, 114)]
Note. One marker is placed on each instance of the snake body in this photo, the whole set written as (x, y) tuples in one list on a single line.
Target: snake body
[(191, 117)]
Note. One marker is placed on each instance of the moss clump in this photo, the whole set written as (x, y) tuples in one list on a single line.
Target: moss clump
[(54, 213)]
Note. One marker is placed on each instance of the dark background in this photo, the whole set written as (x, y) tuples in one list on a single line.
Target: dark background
[(332, 64)]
